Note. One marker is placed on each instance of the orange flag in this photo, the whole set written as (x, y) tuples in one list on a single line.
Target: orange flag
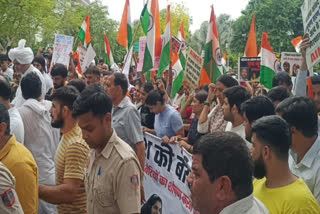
[(251, 47)]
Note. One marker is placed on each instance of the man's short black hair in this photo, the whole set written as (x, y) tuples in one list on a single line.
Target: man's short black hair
[(5, 118), (278, 93), (94, 70), (257, 107), (315, 80), (227, 81), (300, 112), (205, 87), (155, 96), (147, 87), (106, 73), (121, 80), (280, 78), (236, 95), (31, 86), (274, 132), (66, 96), (92, 99), (202, 96), (59, 70), (226, 154), (5, 89), (79, 84)]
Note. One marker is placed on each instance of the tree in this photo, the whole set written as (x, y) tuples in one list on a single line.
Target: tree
[(280, 19), (224, 23), (198, 39)]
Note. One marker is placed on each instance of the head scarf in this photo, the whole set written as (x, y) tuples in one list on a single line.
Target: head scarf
[(23, 55)]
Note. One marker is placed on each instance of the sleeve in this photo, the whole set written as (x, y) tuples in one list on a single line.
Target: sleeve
[(316, 190), (204, 127), (176, 121), (301, 84), (27, 186), (75, 160), (128, 187), (134, 126)]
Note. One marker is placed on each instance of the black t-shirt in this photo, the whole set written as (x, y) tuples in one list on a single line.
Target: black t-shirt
[(147, 117), (193, 134)]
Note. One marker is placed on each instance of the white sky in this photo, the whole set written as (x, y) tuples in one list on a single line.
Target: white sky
[(199, 9)]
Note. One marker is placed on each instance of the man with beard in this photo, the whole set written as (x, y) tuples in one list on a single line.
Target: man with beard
[(304, 161), (221, 176), (59, 74), (281, 191), (71, 156), (22, 58), (233, 98), (253, 109)]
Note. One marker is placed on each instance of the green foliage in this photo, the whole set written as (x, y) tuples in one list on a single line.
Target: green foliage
[(198, 39), (280, 19)]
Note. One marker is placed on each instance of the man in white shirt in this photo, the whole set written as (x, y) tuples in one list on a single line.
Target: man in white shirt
[(4, 66), (40, 138), (16, 124), (233, 98), (22, 58), (302, 116), (223, 188)]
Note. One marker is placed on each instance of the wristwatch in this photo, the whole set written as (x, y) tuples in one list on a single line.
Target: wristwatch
[(206, 103)]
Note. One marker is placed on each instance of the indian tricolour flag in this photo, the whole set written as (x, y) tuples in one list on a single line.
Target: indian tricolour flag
[(108, 53), (269, 62), (166, 51), (125, 30), (150, 22), (179, 63), (84, 33), (212, 67), (296, 42)]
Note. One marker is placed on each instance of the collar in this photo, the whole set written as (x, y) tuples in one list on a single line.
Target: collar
[(6, 149), (106, 152), (241, 206), (31, 68), (124, 102), (310, 156), (74, 129)]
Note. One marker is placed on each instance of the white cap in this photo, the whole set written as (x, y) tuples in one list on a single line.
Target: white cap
[(23, 55)]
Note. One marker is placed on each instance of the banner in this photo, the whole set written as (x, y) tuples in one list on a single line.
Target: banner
[(291, 62), (89, 56), (193, 69), (311, 23), (61, 49), (165, 174), (142, 47), (249, 68)]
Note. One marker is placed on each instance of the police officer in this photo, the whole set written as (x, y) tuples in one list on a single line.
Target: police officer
[(113, 176), (9, 203)]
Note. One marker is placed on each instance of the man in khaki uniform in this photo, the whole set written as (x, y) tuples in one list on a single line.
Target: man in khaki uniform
[(9, 203), (113, 176)]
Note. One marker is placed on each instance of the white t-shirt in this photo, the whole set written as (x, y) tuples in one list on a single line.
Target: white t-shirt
[(16, 124), (240, 130), (48, 81)]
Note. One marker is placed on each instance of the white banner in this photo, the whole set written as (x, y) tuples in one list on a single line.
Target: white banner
[(88, 58), (311, 23), (62, 49), (165, 174)]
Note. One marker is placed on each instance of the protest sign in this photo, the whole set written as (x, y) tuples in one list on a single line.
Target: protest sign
[(291, 62), (249, 68), (88, 58), (62, 49), (193, 69), (311, 24), (166, 170)]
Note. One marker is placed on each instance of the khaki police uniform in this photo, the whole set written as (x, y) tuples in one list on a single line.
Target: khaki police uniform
[(9, 202), (113, 179)]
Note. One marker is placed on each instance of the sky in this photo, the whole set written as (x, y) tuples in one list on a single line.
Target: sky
[(199, 9)]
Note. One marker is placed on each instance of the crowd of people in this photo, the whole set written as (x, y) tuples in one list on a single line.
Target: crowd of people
[(72, 143)]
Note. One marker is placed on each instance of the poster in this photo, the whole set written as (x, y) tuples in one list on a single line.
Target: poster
[(193, 69), (166, 170), (62, 49), (249, 68), (89, 56), (311, 23), (142, 47), (291, 62)]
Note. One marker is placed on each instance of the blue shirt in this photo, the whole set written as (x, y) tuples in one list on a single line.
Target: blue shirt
[(168, 122)]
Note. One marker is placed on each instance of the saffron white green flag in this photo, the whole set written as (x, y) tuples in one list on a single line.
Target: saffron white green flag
[(166, 51)]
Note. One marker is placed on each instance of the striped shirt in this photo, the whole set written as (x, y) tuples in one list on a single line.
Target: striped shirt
[(71, 159)]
